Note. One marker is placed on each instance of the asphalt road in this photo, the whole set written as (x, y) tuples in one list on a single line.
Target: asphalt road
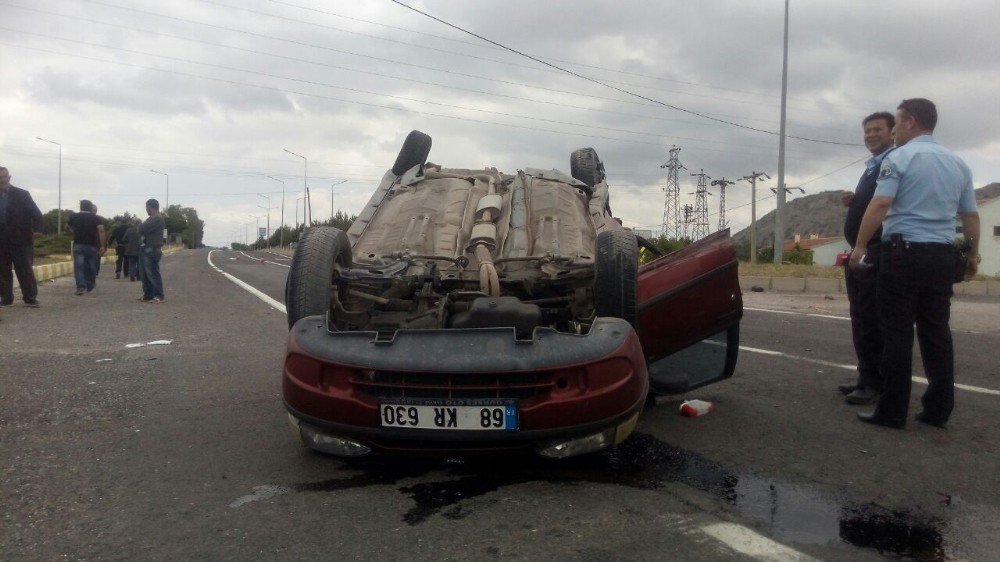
[(182, 450)]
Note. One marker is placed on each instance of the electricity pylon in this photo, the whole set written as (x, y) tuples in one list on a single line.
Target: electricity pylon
[(722, 200), (671, 202), (700, 213)]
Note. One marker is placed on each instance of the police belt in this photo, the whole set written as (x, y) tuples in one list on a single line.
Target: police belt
[(897, 242)]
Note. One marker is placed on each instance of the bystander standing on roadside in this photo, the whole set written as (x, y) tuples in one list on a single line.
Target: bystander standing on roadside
[(921, 187), (88, 246), (861, 283), (151, 231), (131, 249), (118, 239), (104, 247), (20, 224)]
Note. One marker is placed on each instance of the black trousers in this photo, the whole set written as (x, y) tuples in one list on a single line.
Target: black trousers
[(915, 287), (119, 259), (20, 257), (861, 293)]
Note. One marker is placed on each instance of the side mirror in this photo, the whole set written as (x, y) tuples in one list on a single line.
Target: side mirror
[(710, 360)]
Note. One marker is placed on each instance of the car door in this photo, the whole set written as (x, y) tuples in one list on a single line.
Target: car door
[(690, 306)]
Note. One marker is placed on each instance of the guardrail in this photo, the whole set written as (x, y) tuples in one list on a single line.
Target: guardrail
[(988, 287), (64, 268)]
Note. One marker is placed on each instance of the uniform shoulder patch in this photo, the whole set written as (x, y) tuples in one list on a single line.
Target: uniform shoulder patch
[(887, 170)]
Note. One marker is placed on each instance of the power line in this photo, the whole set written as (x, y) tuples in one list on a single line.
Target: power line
[(449, 87), (366, 104), (369, 92), (370, 57), (616, 88), (461, 54)]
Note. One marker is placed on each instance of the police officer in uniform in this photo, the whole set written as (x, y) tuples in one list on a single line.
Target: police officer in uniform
[(861, 283), (921, 187)]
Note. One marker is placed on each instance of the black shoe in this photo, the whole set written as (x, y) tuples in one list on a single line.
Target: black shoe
[(846, 389), (922, 417), (876, 418), (862, 396), (80, 292), (6, 304), (118, 275), (32, 304)]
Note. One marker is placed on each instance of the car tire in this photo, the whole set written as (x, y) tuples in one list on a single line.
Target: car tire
[(414, 152), (586, 166), (616, 269), (320, 251)]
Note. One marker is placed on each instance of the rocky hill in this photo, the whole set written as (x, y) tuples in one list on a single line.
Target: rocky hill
[(821, 214)]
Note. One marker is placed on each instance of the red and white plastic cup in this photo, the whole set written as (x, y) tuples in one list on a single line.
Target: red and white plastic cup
[(695, 408)]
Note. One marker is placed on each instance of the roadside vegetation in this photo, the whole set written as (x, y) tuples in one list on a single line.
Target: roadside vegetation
[(52, 247)]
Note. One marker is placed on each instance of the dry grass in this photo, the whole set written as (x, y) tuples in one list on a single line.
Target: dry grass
[(791, 270)]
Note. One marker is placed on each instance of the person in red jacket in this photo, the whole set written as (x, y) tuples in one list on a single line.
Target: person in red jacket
[(20, 224)]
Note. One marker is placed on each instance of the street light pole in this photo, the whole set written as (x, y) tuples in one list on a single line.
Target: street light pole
[(268, 197), (59, 200), (305, 179), (281, 230), (779, 211), (166, 202), (297, 211), (331, 199)]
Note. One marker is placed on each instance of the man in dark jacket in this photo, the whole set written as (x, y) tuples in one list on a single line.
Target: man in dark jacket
[(151, 231), (131, 250), (118, 239), (88, 246), (20, 224), (861, 283)]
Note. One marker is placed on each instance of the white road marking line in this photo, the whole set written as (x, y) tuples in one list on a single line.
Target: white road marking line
[(919, 380), (249, 288), (796, 313), (753, 544), (265, 261)]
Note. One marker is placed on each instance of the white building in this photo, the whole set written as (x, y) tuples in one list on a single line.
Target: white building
[(989, 246), (824, 250)]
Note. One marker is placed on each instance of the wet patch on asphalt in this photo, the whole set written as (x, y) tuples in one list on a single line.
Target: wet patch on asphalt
[(788, 512)]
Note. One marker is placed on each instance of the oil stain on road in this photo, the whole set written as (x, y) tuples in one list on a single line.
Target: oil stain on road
[(790, 512)]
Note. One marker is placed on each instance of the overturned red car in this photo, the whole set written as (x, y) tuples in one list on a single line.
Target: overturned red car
[(470, 311)]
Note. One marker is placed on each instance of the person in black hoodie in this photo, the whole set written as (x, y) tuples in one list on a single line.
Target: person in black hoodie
[(861, 283), (131, 250), (118, 239), (20, 224)]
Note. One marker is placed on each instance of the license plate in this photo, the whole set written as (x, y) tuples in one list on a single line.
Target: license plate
[(468, 415)]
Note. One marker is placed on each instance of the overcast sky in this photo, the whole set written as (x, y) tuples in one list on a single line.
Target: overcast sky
[(212, 91)]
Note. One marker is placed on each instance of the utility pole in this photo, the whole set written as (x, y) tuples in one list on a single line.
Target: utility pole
[(305, 181), (687, 218), (59, 200), (722, 200), (752, 178), (779, 211), (700, 229), (268, 227), (166, 202), (671, 203), (281, 229), (332, 208)]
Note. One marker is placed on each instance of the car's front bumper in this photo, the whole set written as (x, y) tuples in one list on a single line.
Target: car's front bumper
[(566, 386)]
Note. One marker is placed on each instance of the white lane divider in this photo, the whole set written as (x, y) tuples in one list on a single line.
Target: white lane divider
[(753, 544), (265, 261), (919, 380), (248, 287), (812, 314)]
